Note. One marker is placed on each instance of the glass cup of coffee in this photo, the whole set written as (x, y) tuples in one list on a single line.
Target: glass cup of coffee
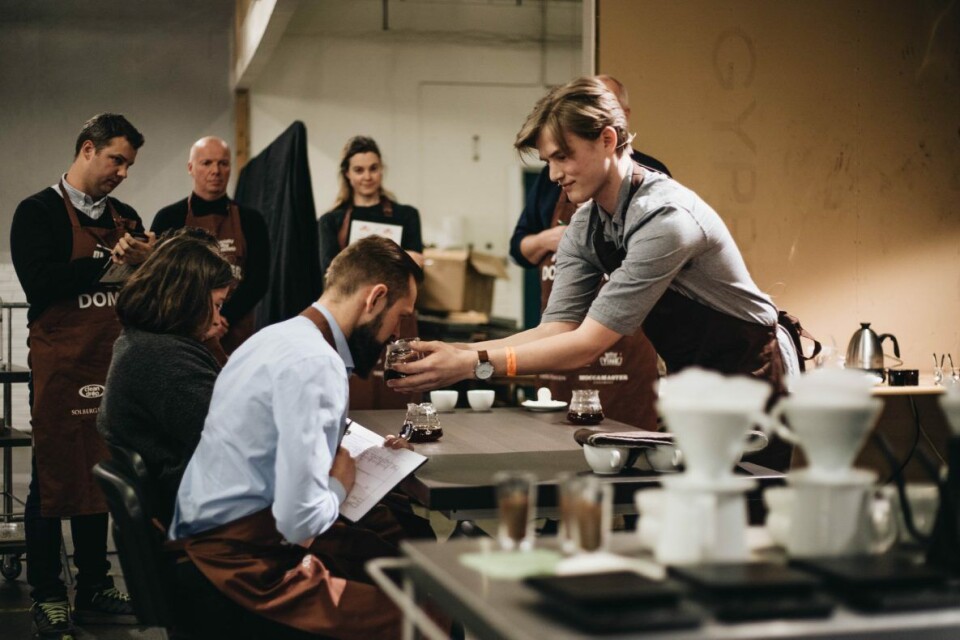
[(517, 508), (592, 511), (585, 407), (399, 351)]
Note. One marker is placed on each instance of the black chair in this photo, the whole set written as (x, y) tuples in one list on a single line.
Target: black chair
[(165, 594), (139, 545)]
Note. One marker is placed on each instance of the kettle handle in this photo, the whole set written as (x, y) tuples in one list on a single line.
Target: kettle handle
[(896, 345)]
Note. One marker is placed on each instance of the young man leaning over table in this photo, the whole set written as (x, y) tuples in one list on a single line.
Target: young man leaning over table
[(257, 510), (674, 269)]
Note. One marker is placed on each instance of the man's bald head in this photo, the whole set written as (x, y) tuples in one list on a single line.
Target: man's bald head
[(209, 165)]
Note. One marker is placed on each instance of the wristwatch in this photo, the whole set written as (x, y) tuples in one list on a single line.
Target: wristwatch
[(483, 370)]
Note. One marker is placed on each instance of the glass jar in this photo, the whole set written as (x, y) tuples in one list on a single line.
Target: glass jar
[(585, 407)]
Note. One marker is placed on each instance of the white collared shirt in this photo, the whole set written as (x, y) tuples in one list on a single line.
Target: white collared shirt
[(81, 201)]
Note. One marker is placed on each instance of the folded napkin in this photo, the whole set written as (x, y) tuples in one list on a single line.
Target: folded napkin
[(635, 438), (639, 439)]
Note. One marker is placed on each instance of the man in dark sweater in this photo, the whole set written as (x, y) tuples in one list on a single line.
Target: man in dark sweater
[(241, 231), (61, 241)]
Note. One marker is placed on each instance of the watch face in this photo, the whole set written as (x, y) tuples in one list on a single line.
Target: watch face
[(484, 370)]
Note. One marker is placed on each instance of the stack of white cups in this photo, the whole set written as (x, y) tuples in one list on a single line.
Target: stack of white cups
[(700, 515), (830, 508)]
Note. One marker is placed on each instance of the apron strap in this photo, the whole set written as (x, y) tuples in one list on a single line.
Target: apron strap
[(317, 318)]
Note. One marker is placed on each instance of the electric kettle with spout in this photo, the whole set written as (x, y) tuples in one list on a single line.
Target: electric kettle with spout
[(866, 349)]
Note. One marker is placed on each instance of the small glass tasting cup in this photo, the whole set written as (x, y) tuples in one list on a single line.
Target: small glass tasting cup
[(517, 508), (399, 351), (586, 510)]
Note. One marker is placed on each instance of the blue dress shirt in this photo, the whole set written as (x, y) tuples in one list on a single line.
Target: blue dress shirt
[(276, 418)]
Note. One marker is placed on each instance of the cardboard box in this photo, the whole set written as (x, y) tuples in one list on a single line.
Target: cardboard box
[(459, 280)]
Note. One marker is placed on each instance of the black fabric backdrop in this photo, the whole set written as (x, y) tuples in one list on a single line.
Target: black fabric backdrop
[(277, 183)]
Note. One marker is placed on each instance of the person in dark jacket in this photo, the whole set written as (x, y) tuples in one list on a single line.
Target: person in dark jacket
[(161, 377)]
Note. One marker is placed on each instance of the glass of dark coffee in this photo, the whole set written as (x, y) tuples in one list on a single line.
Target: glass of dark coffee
[(517, 508), (399, 351), (585, 407)]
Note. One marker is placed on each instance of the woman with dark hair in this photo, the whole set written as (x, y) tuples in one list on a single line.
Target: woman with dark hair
[(364, 207), (161, 377)]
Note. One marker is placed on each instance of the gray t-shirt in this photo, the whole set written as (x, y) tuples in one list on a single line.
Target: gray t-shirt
[(672, 239)]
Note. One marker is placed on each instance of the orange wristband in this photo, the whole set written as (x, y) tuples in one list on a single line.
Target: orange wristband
[(511, 362)]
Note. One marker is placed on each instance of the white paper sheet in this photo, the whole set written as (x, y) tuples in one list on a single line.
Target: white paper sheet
[(378, 470)]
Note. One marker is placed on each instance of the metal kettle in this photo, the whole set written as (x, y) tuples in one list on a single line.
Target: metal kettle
[(866, 349)]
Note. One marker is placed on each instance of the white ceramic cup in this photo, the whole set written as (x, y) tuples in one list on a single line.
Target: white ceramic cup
[(480, 399), (444, 400), (815, 517), (711, 440), (606, 460), (700, 524), (831, 434), (650, 506)]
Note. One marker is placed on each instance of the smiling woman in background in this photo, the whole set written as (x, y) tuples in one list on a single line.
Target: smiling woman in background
[(161, 377), (365, 208)]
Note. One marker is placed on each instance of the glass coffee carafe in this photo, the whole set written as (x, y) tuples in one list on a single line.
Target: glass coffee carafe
[(421, 423), (585, 407)]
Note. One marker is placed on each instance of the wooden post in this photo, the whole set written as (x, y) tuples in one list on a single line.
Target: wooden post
[(241, 119)]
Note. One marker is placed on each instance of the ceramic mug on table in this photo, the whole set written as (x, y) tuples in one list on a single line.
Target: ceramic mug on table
[(606, 460), (445, 400), (480, 399), (698, 523), (817, 518)]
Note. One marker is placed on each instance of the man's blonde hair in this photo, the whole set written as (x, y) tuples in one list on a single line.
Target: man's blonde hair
[(583, 107)]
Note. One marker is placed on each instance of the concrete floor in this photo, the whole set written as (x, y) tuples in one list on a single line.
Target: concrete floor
[(15, 622)]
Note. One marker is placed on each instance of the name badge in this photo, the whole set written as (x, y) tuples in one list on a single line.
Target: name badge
[(360, 229)]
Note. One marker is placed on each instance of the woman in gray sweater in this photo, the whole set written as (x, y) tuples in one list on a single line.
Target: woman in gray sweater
[(161, 376)]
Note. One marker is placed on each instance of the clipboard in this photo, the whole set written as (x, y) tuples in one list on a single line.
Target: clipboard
[(114, 274)]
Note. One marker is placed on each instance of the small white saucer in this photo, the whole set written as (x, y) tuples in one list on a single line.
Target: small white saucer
[(549, 405), (846, 478), (726, 484)]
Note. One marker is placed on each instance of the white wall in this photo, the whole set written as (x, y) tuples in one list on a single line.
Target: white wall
[(423, 90), (58, 70)]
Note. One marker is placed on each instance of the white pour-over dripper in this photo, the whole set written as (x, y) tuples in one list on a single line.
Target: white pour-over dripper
[(830, 412), (710, 416)]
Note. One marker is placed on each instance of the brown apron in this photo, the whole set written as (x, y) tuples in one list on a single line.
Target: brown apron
[(687, 333), (373, 392), (624, 375), (323, 589), (233, 247), (71, 344)]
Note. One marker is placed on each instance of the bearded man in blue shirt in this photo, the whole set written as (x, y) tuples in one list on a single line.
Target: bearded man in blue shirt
[(258, 507)]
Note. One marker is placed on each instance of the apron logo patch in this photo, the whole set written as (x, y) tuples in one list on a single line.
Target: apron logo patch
[(98, 299), (611, 359), (91, 391)]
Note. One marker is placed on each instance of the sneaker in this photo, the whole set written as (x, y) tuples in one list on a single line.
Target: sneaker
[(107, 606), (51, 620)]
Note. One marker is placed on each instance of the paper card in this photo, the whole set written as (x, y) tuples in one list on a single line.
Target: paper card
[(379, 470), (360, 229)]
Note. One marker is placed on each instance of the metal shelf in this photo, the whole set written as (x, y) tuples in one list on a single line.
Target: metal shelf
[(11, 548)]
